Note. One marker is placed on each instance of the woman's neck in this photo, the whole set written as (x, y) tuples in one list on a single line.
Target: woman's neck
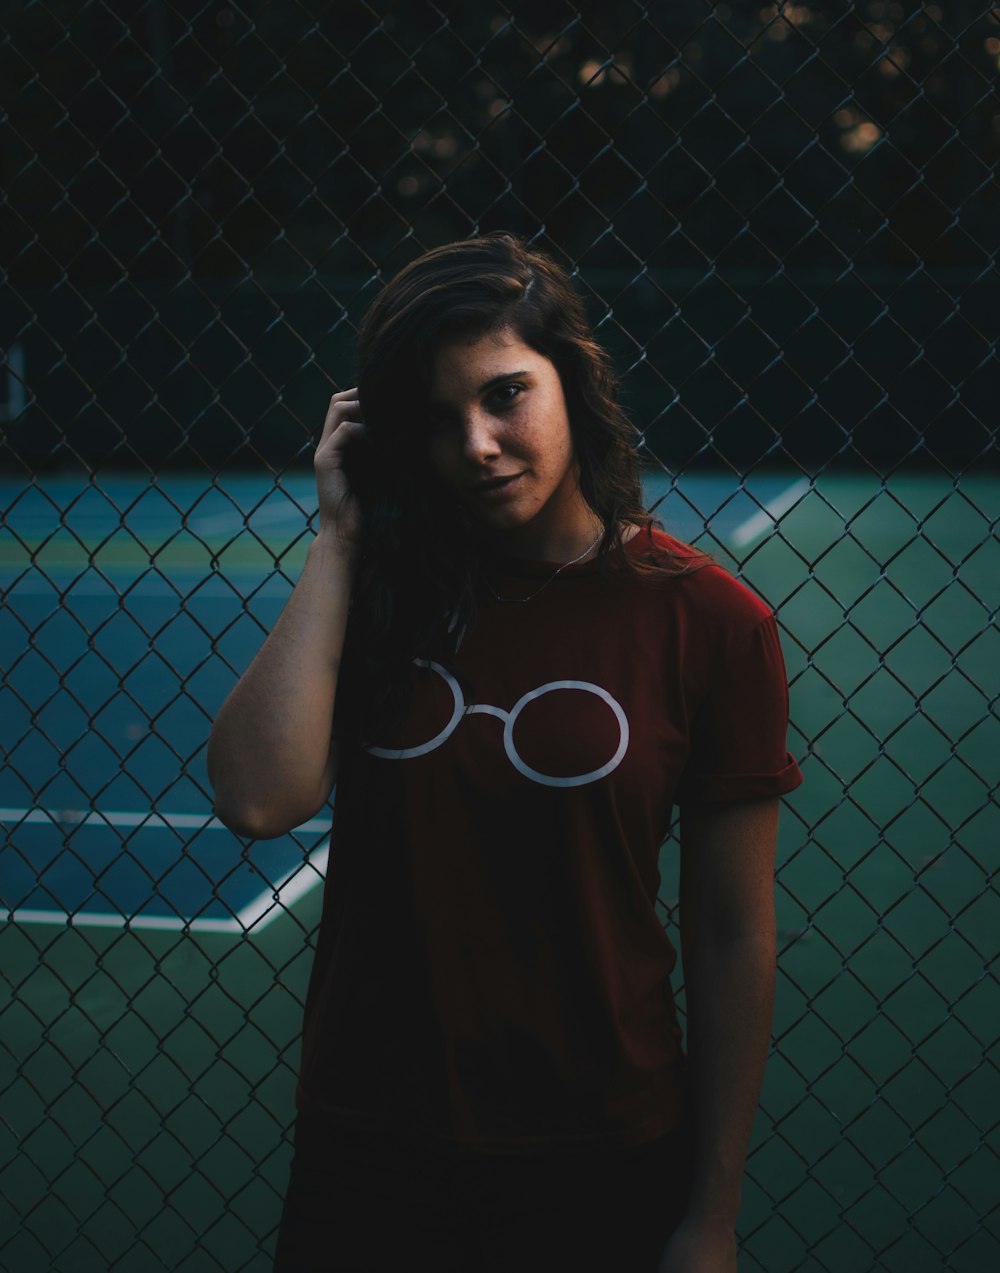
[(559, 544)]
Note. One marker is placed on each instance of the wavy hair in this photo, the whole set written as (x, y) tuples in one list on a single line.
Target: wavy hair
[(419, 570)]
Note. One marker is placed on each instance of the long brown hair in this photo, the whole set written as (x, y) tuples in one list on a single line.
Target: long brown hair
[(419, 569)]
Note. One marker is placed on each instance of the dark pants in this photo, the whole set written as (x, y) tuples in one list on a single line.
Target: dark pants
[(355, 1206)]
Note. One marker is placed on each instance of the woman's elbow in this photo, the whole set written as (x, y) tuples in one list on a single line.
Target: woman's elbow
[(259, 806), (248, 824), (258, 822)]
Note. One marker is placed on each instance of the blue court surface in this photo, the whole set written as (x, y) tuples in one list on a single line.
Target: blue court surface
[(130, 609), (150, 1073)]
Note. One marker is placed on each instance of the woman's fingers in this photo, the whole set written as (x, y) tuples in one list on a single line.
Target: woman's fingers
[(340, 440), (343, 406), (341, 428)]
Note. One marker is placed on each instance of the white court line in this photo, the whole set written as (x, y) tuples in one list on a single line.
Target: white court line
[(98, 919), (302, 880), (257, 914), (765, 519), (117, 818)]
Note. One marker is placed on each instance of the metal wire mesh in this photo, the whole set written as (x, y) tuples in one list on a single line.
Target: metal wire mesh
[(785, 219)]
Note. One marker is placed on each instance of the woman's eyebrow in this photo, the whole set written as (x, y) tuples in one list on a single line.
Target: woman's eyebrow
[(485, 387), (497, 380)]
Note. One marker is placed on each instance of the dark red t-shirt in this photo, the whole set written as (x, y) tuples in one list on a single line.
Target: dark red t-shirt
[(491, 971)]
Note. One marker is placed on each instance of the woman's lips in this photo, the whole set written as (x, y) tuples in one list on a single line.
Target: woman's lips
[(497, 488)]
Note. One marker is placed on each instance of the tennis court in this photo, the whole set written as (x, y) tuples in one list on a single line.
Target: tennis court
[(155, 964)]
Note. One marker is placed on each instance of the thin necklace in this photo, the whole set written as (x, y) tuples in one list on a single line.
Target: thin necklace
[(531, 595)]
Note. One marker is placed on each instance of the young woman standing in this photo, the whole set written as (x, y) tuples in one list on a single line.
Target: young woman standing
[(514, 680)]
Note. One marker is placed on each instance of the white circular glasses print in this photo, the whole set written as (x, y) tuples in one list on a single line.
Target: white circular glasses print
[(460, 709)]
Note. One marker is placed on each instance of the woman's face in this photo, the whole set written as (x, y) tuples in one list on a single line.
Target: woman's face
[(500, 440)]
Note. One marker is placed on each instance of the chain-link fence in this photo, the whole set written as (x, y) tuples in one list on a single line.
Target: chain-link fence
[(785, 219)]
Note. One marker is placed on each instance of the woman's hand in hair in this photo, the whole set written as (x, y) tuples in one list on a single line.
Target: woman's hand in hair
[(338, 504)]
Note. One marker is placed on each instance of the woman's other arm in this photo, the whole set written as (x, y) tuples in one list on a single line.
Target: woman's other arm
[(271, 757), (729, 948)]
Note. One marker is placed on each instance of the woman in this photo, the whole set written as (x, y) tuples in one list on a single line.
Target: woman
[(512, 678)]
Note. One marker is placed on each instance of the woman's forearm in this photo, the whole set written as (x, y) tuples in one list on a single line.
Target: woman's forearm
[(730, 997), (269, 755)]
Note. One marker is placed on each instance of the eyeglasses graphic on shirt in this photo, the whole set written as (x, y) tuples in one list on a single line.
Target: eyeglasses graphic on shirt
[(461, 709)]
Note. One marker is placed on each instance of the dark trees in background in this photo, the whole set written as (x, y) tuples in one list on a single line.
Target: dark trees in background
[(785, 215)]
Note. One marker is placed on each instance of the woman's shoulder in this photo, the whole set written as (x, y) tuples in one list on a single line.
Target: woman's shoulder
[(696, 583)]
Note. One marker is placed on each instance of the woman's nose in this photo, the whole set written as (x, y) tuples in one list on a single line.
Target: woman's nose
[(480, 442)]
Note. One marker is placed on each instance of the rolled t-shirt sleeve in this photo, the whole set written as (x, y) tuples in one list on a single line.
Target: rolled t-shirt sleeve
[(738, 734)]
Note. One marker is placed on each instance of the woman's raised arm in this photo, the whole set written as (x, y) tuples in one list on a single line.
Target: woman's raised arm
[(271, 757)]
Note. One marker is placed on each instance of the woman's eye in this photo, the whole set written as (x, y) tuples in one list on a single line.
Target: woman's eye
[(507, 395)]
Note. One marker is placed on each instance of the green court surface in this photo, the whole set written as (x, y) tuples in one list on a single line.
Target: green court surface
[(154, 966)]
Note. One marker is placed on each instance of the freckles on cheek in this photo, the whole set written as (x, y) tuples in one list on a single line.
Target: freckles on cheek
[(517, 424)]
